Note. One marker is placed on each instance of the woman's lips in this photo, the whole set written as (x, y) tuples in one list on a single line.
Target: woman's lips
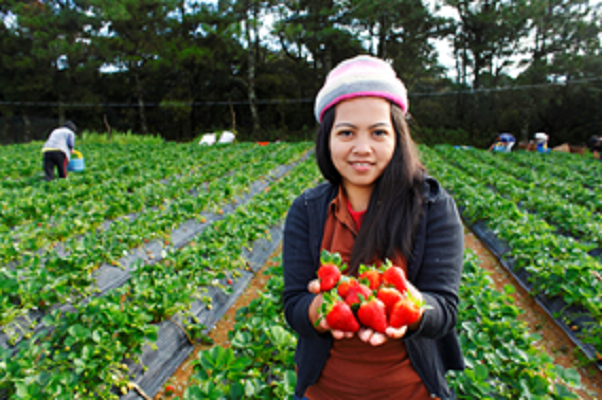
[(361, 166)]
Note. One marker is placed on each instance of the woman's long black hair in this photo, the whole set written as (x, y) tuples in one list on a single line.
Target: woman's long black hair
[(395, 207)]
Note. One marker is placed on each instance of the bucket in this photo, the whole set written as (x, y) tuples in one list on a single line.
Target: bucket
[(76, 163)]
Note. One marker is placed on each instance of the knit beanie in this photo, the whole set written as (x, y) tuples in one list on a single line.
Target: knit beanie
[(360, 76)]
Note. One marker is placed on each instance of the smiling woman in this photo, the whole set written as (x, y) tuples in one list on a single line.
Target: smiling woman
[(378, 205)]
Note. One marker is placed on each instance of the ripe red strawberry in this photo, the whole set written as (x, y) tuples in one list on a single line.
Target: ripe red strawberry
[(371, 275), (345, 283), (330, 269), (329, 275), (390, 296), (339, 314), (373, 314), (341, 318), (396, 277), (353, 296), (406, 311), (169, 390)]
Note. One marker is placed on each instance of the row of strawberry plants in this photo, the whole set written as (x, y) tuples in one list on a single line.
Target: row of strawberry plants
[(85, 217), (17, 165), (103, 159), (583, 170), (68, 277), (557, 266), (501, 355), (84, 355), (552, 206), (25, 161), (542, 174), (117, 193)]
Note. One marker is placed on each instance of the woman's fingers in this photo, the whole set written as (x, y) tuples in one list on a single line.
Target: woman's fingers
[(338, 334), (377, 339), (396, 333), (415, 292), (313, 286), (324, 325), (368, 335), (365, 334)]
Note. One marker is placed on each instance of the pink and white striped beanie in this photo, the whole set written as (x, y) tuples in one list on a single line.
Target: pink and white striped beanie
[(360, 76)]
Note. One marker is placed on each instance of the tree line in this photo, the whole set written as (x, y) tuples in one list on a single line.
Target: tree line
[(184, 67)]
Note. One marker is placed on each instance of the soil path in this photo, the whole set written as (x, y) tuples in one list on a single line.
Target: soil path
[(554, 340)]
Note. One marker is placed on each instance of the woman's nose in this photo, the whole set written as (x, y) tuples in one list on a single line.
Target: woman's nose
[(362, 145)]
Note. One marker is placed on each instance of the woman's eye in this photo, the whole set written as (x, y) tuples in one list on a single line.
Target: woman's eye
[(380, 132), (345, 133)]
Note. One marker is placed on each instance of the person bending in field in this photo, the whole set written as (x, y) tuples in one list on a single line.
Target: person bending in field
[(503, 143), (378, 204), (58, 149), (541, 142)]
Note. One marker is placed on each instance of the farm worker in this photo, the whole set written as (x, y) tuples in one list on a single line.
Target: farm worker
[(541, 142), (378, 203), (503, 143), (58, 149)]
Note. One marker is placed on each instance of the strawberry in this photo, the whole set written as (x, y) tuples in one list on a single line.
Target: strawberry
[(339, 314), (373, 314), (329, 275), (345, 283), (353, 296), (390, 296), (396, 277), (169, 390), (407, 311), (330, 269), (371, 275)]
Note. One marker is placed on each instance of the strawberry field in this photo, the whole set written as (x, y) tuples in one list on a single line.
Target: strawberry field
[(109, 278)]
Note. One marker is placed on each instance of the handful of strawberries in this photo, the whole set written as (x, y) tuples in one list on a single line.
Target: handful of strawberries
[(377, 299)]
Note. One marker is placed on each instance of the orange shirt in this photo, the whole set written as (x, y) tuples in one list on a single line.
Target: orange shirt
[(354, 369)]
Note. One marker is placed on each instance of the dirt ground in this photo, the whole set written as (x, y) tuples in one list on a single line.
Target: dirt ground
[(554, 340)]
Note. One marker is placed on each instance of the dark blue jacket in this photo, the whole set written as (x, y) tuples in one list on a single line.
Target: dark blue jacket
[(435, 269)]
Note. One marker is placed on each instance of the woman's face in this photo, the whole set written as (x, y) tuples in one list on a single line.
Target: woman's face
[(362, 140)]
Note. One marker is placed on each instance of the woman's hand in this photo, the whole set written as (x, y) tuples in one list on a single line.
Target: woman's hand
[(314, 313), (367, 335)]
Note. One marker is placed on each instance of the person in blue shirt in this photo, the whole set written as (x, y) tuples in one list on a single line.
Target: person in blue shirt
[(503, 143), (58, 149)]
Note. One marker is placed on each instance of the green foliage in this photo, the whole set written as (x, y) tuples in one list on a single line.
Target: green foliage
[(87, 137), (182, 69), (84, 350), (543, 208)]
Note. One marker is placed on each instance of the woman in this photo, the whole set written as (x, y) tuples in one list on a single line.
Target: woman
[(378, 204)]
